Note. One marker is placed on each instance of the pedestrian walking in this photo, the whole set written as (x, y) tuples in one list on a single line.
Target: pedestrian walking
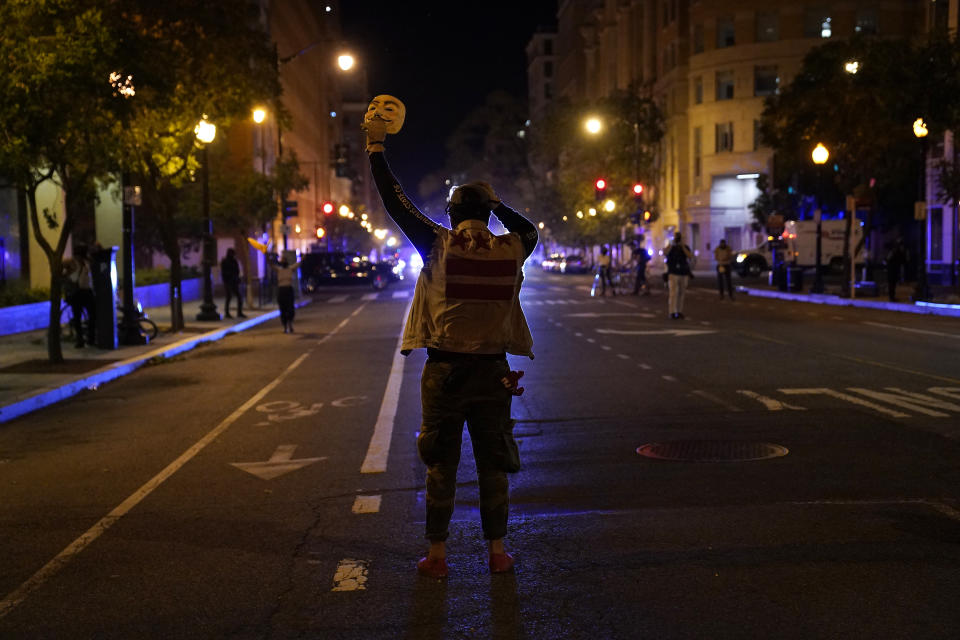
[(466, 312), (641, 259), (895, 260), (230, 274), (285, 297), (678, 257), (78, 293), (723, 254), (604, 272)]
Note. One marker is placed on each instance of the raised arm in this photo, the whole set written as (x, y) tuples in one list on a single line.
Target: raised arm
[(516, 223)]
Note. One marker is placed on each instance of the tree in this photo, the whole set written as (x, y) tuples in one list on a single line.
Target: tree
[(193, 58), (622, 154), (58, 117), (864, 119)]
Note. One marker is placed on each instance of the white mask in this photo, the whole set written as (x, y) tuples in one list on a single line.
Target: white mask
[(389, 109)]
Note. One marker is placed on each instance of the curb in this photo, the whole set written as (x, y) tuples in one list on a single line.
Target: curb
[(923, 308), (124, 367)]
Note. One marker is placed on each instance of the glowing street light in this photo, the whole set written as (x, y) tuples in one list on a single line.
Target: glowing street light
[(593, 125), (345, 61), (259, 115), (819, 155), (920, 128), (206, 131), (609, 206), (851, 67), (922, 290)]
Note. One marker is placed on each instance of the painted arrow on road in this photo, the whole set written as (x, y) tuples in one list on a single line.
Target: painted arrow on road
[(679, 333), (593, 314), (280, 462)]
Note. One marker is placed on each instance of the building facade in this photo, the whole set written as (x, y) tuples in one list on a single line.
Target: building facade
[(709, 65)]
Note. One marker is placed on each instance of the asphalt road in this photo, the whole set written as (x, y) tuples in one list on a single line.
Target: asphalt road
[(267, 486)]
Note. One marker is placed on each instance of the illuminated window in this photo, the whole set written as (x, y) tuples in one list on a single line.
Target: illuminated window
[(766, 81), (768, 26), (724, 136), (725, 32), (725, 80)]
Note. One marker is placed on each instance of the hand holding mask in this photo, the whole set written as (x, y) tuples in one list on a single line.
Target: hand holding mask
[(384, 115)]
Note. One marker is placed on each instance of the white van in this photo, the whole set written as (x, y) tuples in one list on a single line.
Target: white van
[(799, 242)]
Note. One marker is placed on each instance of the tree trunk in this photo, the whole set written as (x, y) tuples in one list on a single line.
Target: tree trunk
[(54, 346)]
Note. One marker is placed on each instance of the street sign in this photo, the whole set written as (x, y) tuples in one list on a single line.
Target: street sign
[(920, 210), (132, 196)]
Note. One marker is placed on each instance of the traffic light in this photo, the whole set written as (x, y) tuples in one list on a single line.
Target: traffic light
[(600, 189), (289, 208), (327, 208), (321, 232)]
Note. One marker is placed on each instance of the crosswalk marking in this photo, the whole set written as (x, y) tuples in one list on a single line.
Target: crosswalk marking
[(367, 504), (908, 400), (370, 296), (400, 294), (845, 396), (337, 299), (351, 575), (769, 403)]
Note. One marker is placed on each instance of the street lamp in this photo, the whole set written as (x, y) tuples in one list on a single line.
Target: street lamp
[(820, 156), (922, 291), (206, 131)]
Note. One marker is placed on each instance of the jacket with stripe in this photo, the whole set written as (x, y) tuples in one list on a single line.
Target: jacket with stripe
[(466, 298)]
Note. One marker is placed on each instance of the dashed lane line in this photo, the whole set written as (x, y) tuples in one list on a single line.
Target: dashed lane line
[(720, 401), (955, 336)]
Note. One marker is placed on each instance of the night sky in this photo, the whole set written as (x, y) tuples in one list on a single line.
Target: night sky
[(442, 59)]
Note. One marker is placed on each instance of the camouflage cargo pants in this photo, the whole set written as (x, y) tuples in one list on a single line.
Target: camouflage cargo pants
[(451, 393)]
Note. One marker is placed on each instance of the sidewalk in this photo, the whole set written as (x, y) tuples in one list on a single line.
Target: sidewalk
[(28, 381), (943, 302)]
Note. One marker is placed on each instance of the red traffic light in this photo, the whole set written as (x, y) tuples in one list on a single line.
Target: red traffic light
[(601, 184), (638, 189), (327, 208)]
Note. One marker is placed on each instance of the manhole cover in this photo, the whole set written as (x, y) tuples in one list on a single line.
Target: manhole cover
[(712, 451)]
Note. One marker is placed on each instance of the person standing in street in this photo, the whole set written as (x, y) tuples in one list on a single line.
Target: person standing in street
[(641, 259), (285, 295), (896, 258), (724, 257), (604, 271), (78, 290), (678, 257), (466, 312), (230, 274)]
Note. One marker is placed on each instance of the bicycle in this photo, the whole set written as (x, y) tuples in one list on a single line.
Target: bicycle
[(147, 326)]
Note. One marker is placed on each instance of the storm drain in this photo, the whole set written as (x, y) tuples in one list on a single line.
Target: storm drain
[(712, 451)]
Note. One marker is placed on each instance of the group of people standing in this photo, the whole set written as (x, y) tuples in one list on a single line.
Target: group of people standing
[(678, 260), (285, 274)]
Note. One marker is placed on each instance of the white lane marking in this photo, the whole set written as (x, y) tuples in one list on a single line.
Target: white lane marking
[(836, 317), (623, 356), (950, 392), (397, 295), (342, 324), (578, 334), (955, 336), (53, 567), (769, 403), (280, 463), (645, 366), (336, 299), (625, 304), (366, 504), (370, 296), (558, 324), (594, 314), (844, 396), (351, 575), (379, 448), (669, 378), (679, 333), (909, 400), (590, 340), (605, 347), (719, 401)]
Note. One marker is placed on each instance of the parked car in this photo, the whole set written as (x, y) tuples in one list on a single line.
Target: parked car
[(339, 268), (552, 263), (574, 264)]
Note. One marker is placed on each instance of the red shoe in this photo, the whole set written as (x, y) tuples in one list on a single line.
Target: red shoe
[(501, 562), (433, 567)]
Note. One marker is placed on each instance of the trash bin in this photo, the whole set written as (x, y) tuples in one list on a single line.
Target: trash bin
[(104, 275), (795, 278)]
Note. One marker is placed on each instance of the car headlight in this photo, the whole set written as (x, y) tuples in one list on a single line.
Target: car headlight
[(741, 257)]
